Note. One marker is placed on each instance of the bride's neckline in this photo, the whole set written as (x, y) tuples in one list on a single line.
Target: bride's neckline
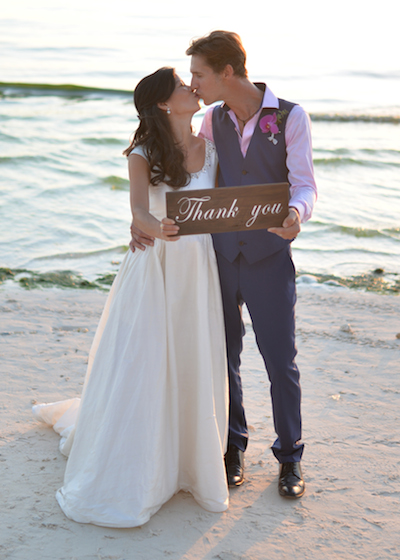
[(207, 160)]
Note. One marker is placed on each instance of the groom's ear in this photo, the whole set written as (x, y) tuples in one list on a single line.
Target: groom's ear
[(228, 71)]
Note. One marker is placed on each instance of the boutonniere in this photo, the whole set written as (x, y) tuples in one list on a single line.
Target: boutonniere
[(269, 123)]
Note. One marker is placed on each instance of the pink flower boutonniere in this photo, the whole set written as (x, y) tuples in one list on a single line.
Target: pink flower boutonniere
[(269, 123)]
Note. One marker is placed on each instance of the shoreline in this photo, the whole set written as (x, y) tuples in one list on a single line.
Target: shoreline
[(377, 281), (348, 358)]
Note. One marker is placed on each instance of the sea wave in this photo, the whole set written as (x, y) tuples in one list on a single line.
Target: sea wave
[(354, 117), (24, 159), (384, 75), (392, 233), (83, 254), (365, 232), (343, 161), (12, 89), (23, 89), (116, 183), (104, 141), (365, 151), (366, 157)]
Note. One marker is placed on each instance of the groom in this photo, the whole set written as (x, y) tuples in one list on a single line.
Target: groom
[(255, 267)]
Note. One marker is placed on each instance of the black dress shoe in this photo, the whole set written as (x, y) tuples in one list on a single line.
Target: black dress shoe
[(234, 464), (291, 483)]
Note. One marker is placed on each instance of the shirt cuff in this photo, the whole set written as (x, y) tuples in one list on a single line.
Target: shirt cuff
[(300, 207)]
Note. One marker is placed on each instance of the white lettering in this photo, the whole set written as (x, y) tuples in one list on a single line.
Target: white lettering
[(233, 210), (221, 212), (190, 208), (254, 213), (277, 208), (209, 214)]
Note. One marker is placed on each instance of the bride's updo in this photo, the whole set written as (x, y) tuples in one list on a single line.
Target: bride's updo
[(154, 133)]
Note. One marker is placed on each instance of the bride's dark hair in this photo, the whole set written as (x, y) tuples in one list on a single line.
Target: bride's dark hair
[(166, 160)]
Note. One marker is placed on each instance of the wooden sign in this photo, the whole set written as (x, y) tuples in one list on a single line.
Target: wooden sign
[(228, 208)]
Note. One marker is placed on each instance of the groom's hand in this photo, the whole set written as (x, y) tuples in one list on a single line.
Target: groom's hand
[(290, 227), (139, 239)]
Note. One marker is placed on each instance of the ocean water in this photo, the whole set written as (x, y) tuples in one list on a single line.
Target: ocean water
[(64, 200)]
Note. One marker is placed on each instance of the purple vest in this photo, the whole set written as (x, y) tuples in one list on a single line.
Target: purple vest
[(265, 162)]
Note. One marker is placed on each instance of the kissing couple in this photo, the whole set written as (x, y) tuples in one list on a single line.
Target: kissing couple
[(162, 405)]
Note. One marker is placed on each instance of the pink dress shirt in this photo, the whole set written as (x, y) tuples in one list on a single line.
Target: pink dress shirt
[(303, 190)]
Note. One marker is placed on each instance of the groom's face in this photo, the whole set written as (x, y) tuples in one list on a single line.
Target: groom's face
[(207, 83)]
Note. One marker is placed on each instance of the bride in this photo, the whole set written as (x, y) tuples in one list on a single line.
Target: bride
[(152, 419)]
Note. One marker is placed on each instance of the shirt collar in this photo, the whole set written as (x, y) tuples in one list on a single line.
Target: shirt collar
[(270, 101)]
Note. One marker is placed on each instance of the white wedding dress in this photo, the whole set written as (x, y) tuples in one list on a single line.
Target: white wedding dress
[(154, 410)]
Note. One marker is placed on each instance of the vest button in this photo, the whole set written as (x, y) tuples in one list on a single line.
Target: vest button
[(241, 243), (244, 172)]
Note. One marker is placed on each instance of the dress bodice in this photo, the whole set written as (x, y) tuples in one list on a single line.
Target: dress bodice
[(203, 179)]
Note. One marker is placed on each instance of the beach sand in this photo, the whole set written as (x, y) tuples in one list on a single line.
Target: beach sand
[(349, 362)]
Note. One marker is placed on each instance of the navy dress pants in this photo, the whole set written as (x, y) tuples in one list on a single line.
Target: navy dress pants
[(268, 289)]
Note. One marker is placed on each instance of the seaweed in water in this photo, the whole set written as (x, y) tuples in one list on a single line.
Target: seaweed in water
[(62, 279)]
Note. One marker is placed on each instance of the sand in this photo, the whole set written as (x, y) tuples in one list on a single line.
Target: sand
[(349, 361)]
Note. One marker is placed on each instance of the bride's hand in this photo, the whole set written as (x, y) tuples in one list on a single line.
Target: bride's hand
[(169, 230)]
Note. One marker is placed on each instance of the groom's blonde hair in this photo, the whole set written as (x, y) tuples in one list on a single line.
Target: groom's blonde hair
[(220, 48)]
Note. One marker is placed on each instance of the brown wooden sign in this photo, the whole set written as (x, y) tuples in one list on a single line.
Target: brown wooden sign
[(228, 208)]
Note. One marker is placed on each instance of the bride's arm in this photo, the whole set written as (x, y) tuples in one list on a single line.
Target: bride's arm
[(139, 178)]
